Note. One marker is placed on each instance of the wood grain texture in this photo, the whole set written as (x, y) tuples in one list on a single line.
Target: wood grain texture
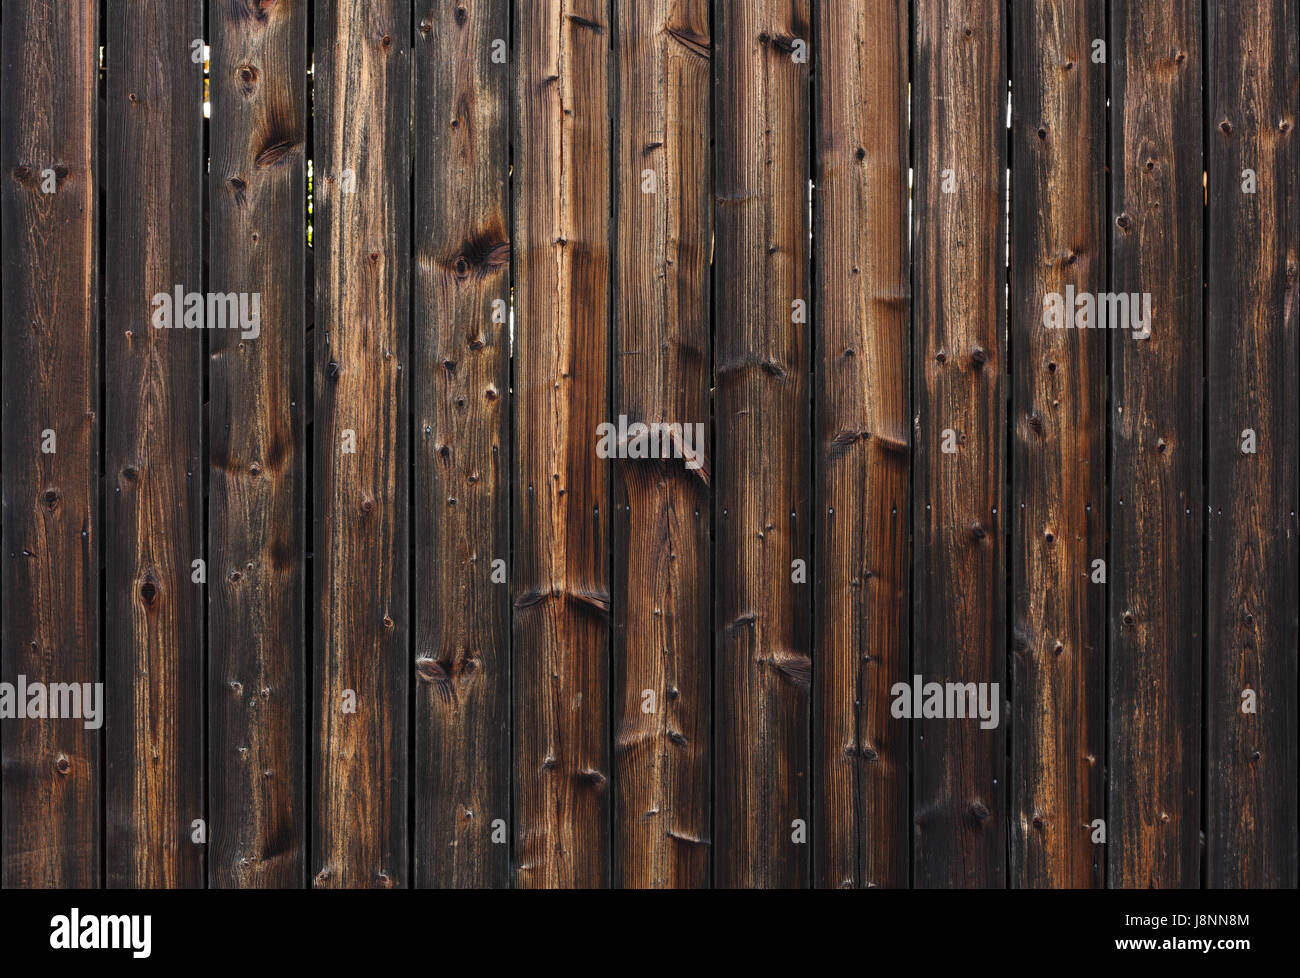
[(959, 590), (561, 496), (1251, 570), (863, 306), (574, 669), (1058, 459), (153, 507), (763, 627), (362, 103), (52, 769), (662, 346), (1156, 479), (256, 670), (461, 282)]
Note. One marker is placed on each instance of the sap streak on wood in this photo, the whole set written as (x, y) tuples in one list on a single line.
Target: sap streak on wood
[(763, 522), (860, 798), (257, 755), (662, 548), (1254, 250), (959, 117), (561, 492), (153, 506), (362, 246), (461, 278), (1156, 479), (52, 768), (1058, 406)]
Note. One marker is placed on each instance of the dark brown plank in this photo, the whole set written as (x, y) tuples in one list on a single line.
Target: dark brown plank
[(1058, 446), (52, 773), (860, 797), (257, 755), (1251, 587), (561, 493), (461, 278), (153, 517), (662, 582), (361, 129), (762, 422), (1156, 478), (959, 125)]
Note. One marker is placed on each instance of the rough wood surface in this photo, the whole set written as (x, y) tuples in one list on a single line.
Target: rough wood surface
[(49, 68), (959, 589), (561, 521), (256, 670), (154, 461), (763, 524), (862, 313), (362, 103), (355, 638), (662, 346), (1253, 268), (1154, 665), (461, 396), (1058, 447)]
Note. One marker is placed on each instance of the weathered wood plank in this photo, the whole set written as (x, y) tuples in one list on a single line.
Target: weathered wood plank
[(154, 661), (257, 685), (362, 672), (561, 493), (959, 131), (1251, 498), (461, 278), (1058, 460), (863, 305), (662, 581), (1156, 493), (763, 627), (49, 236)]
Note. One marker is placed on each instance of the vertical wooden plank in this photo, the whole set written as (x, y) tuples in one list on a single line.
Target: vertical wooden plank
[(49, 70), (1058, 463), (662, 581), (153, 446), (763, 626), (462, 443), (1254, 249), (561, 493), (863, 292), (361, 673), (959, 116), (257, 756), (1156, 474)]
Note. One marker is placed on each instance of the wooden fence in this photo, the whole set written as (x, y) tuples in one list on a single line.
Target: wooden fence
[(376, 600)]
